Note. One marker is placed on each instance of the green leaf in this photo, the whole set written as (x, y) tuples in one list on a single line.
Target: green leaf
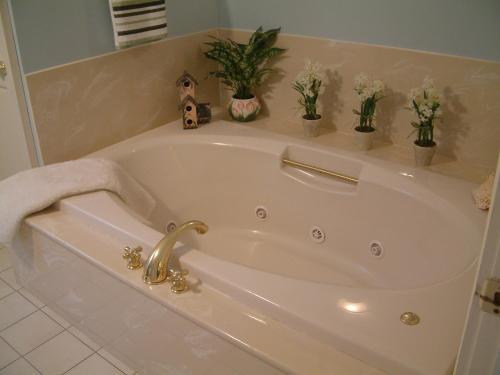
[(243, 66)]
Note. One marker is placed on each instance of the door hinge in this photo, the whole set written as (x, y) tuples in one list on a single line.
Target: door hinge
[(489, 296)]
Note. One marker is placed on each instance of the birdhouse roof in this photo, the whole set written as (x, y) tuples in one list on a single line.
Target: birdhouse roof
[(188, 98), (186, 77)]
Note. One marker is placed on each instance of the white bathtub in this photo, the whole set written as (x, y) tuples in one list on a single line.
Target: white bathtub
[(281, 300)]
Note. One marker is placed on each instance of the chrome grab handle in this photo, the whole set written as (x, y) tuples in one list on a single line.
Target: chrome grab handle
[(319, 170)]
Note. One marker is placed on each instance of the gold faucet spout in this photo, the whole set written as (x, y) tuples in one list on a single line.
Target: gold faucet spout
[(156, 266)]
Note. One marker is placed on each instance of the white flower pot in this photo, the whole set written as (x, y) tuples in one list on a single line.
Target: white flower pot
[(244, 110), (311, 127), (424, 155), (364, 140)]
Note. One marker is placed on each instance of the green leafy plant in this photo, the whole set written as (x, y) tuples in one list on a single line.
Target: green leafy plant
[(308, 85), (243, 66)]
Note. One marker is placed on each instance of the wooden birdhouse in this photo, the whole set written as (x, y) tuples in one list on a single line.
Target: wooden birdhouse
[(189, 112), (186, 84), (193, 113)]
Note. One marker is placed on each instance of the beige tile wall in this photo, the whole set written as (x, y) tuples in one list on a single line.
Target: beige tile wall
[(84, 106), (470, 131), (81, 107)]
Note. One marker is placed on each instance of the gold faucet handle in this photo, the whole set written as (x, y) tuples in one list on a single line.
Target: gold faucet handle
[(179, 284), (133, 256)]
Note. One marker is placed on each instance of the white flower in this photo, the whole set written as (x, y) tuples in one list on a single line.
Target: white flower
[(425, 100), (425, 112), (365, 89), (360, 83), (432, 95), (311, 72), (428, 83)]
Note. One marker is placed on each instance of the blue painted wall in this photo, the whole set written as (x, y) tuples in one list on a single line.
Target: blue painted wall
[(54, 32), (459, 27)]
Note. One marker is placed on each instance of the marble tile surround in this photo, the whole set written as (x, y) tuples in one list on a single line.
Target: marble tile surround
[(470, 131), (84, 106)]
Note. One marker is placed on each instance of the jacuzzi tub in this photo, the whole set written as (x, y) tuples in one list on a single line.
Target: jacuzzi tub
[(332, 264)]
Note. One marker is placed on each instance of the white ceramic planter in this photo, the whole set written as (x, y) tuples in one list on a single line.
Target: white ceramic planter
[(364, 140), (244, 110), (311, 127), (424, 155)]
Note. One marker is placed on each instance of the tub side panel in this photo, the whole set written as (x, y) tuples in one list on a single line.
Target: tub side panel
[(143, 334)]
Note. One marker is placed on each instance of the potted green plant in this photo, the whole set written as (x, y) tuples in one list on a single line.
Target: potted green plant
[(369, 93), (308, 85), (425, 101), (242, 68)]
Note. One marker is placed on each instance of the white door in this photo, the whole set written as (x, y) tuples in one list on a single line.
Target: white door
[(14, 151), (480, 349)]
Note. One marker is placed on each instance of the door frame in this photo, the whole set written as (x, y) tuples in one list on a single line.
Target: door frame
[(16, 71), (479, 340)]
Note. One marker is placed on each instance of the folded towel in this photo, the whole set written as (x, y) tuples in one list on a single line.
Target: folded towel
[(33, 190), (138, 21), (482, 195)]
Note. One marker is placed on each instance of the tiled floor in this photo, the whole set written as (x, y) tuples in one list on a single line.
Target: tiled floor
[(35, 340)]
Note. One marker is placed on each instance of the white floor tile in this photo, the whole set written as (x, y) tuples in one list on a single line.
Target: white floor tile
[(30, 297), (27, 334), (59, 354), (87, 341), (7, 354), (5, 289), (58, 318), (116, 362), (10, 278), (19, 367), (94, 365), (14, 307), (4, 259)]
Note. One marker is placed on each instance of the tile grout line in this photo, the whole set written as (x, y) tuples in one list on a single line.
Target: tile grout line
[(5, 281), (17, 321), (10, 346), (112, 364), (44, 342), (13, 291), (23, 356), (93, 351), (91, 354), (31, 364)]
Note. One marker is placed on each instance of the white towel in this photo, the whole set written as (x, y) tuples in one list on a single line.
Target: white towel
[(482, 195), (33, 190), (138, 21)]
